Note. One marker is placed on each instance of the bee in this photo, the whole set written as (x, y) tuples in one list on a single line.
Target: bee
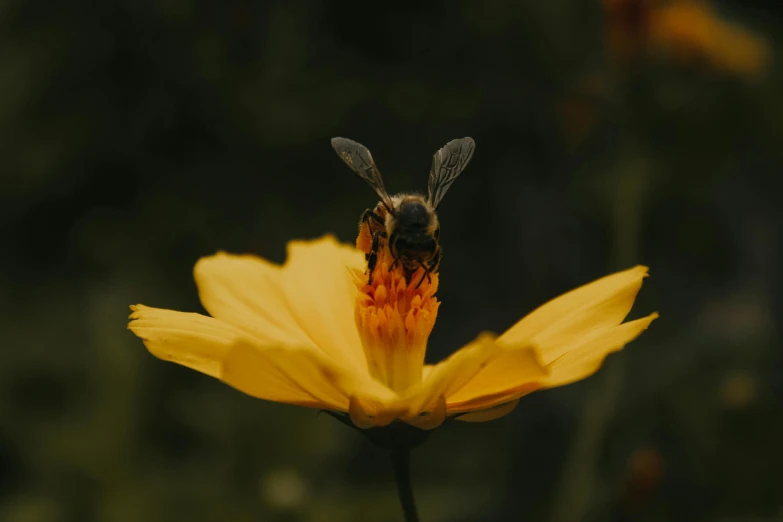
[(408, 223)]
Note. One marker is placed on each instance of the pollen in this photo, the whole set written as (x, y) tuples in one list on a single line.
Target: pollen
[(395, 316)]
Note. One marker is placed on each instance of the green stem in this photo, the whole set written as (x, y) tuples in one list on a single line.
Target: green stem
[(401, 458)]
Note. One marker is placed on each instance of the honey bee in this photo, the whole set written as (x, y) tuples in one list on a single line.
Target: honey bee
[(408, 223)]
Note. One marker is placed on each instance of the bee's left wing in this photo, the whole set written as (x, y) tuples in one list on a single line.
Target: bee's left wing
[(447, 164), (358, 157)]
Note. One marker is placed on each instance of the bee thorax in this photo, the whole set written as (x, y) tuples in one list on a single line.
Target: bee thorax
[(413, 214)]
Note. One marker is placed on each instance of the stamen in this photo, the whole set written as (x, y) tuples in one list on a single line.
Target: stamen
[(395, 317)]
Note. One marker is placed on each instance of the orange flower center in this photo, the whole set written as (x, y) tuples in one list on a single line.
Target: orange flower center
[(395, 319)]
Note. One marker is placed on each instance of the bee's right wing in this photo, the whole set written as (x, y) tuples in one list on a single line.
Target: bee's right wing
[(447, 164), (356, 156)]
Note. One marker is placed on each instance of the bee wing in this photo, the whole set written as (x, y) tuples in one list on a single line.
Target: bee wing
[(358, 157), (447, 164)]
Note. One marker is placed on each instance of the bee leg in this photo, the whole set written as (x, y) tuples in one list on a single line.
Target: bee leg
[(372, 257), (425, 274), (368, 215), (394, 263), (432, 266)]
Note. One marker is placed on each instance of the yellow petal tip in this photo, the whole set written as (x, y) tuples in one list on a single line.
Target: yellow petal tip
[(135, 310), (486, 337)]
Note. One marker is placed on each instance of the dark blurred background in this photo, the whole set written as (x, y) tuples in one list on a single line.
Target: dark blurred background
[(136, 137)]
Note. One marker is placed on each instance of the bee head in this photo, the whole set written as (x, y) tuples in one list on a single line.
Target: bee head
[(413, 214)]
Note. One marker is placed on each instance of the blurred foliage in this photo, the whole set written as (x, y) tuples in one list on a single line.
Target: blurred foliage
[(138, 136)]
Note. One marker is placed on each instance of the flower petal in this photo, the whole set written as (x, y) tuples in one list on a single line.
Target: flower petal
[(489, 414), (508, 376), (321, 296), (561, 322), (369, 413), (448, 376), (296, 376), (193, 340), (246, 291), (585, 358), (309, 301), (430, 420), (271, 371)]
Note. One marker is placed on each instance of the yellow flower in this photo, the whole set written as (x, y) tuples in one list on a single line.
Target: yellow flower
[(313, 333)]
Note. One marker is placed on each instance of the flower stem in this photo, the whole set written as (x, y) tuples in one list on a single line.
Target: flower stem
[(401, 458)]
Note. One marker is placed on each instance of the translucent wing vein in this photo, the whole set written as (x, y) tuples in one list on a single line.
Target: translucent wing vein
[(447, 164)]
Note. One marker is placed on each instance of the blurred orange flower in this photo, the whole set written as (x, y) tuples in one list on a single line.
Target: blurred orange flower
[(645, 472), (314, 333), (627, 27), (688, 30)]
